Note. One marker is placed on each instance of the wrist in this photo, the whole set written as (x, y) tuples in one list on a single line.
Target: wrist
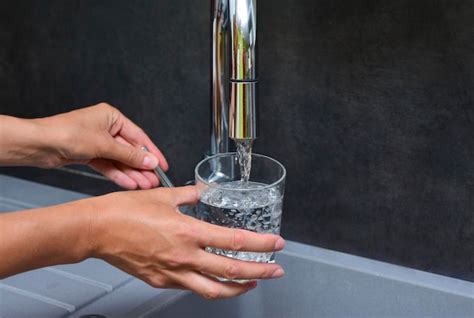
[(22, 142), (96, 230), (85, 214), (52, 140)]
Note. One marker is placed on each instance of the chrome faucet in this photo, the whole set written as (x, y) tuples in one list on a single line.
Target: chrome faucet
[(234, 72)]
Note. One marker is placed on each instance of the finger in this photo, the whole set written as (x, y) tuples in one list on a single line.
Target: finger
[(114, 174), (157, 152), (178, 196), (229, 268), (238, 240), (157, 284), (151, 176), (135, 175), (136, 136), (131, 156), (210, 288)]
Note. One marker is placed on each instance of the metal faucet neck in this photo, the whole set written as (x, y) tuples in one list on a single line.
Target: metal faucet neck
[(234, 111)]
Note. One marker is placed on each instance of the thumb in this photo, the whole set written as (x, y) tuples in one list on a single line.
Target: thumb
[(131, 156)]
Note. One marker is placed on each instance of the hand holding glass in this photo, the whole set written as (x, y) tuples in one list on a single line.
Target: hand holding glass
[(255, 205)]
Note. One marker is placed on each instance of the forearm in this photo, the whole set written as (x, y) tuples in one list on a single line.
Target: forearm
[(43, 237), (26, 142)]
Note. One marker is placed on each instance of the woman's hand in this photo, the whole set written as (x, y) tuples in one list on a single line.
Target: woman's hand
[(102, 137), (140, 232), (144, 234), (99, 136)]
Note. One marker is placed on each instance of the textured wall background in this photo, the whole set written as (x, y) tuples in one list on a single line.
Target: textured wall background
[(369, 104)]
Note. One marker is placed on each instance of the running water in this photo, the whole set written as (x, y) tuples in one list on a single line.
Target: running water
[(244, 153)]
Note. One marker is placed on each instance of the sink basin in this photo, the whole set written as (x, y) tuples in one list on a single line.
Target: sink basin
[(317, 283), (322, 283)]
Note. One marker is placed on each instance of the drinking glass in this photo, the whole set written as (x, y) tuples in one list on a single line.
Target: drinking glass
[(227, 201)]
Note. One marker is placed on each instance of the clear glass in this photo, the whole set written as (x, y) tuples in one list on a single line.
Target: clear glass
[(226, 201)]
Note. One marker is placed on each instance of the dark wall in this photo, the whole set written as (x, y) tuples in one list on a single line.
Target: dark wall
[(369, 104)]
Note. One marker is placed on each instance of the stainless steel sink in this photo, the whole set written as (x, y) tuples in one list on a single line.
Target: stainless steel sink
[(318, 283)]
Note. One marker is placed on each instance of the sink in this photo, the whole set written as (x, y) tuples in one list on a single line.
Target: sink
[(317, 283), (322, 283)]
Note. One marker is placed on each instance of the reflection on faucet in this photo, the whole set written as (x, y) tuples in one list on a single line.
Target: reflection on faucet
[(233, 21)]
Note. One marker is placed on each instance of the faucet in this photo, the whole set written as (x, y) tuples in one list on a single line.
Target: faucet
[(234, 72)]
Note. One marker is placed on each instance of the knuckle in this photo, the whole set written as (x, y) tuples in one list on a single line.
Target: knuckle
[(185, 261), (173, 261), (188, 232), (267, 272), (105, 105), (49, 163), (132, 156), (177, 260), (211, 293), (182, 232), (231, 272), (238, 240), (113, 112), (157, 282)]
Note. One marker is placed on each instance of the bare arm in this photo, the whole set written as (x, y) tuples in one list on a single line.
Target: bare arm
[(23, 143), (140, 232), (99, 136), (42, 237)]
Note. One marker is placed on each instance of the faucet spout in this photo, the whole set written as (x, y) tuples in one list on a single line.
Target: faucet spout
[(243, 70), (234, 31)]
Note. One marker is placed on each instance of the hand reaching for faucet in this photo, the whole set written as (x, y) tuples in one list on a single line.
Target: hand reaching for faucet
[(140, 232), (99, 136)]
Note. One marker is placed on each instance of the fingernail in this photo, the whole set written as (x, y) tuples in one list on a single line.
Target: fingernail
[(278, 273), (280, 244), (150, 162)]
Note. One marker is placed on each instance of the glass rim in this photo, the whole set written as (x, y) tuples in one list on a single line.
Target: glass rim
[(227, 154)]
